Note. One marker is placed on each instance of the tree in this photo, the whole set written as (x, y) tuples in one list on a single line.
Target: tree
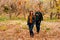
[(7, 10)]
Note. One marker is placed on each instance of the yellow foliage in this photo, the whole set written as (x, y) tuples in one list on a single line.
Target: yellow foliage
[(3, 28)]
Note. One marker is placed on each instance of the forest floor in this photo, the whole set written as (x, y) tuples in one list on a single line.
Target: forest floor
[(18, 30)]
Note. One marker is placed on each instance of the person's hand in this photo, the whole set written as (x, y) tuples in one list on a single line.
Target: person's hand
[(42, 19), (39, 21)]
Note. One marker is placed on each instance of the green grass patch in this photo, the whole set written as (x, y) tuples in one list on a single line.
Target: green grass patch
[(3, 18)]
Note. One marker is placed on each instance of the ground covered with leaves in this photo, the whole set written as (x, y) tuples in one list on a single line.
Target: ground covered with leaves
[(18, 30)]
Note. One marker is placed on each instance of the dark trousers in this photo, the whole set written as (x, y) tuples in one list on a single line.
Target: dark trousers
[(38, 26), (31, 29)]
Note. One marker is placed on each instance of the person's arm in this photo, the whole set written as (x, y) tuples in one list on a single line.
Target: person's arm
[(28, 20), (41, 16), (34, 18)]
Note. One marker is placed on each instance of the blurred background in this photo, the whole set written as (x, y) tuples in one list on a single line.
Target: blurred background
[(17, 9)]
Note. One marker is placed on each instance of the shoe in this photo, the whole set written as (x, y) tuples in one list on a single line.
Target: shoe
[(37, 32), (32, 35)]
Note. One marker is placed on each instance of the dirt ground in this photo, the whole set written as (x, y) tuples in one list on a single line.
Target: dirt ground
[(18, 30)]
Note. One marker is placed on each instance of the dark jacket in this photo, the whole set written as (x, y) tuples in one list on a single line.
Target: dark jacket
[(39, 17), (33, 20)]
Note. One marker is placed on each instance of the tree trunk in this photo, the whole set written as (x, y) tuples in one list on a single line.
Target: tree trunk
[(51, 15), (58, 16)]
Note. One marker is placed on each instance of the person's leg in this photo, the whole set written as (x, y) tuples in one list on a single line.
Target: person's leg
[(31, 30), (38, 27)]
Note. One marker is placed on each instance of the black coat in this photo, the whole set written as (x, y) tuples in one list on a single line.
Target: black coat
[(40, 16), (33, 20)]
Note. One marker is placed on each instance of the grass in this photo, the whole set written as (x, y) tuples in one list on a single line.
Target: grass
[(51, 20), (3, 18)]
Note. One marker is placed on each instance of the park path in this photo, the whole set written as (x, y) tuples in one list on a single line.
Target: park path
[(18, 30)]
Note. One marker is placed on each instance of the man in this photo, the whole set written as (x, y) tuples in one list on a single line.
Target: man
[(39, 18)]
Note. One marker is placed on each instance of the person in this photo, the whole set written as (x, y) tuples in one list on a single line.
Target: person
[(39, 18), (30, 23)]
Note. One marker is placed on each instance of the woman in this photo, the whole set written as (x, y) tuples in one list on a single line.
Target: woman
[(31, 23)]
